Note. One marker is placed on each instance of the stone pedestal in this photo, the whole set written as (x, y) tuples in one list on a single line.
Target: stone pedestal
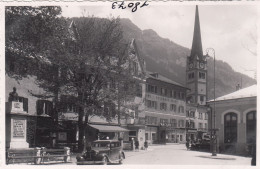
[(16, 125)]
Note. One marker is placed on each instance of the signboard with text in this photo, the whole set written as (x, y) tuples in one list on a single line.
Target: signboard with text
[(18, 128), (68, 116), (17, 107)]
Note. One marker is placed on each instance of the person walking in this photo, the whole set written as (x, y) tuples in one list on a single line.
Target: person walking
[(145, 145), (188, 144), (137, 145)]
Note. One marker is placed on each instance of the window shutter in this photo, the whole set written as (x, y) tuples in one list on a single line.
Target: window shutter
[(25, 104), (39, 107), (49, 108)]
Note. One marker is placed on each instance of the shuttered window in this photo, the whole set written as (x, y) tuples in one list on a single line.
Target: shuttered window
[(44, 107)]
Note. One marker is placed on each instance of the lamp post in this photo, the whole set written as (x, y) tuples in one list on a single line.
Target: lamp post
[(213, 137)]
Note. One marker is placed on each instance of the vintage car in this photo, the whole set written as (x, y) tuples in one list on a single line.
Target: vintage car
[(102, 152)]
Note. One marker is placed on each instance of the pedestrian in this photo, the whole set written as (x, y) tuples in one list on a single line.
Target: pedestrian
[(145, 145), (137, 145), (188, 144), (253, 153)]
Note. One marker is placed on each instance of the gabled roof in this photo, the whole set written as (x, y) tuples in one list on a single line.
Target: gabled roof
[(250, 91), (162, 78), (140, 59)]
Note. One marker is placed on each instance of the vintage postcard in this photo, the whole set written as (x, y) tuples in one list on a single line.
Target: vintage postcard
[(129, 84)]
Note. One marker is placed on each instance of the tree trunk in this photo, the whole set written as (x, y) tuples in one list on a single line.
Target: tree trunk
[(81, 130), (119, 113)]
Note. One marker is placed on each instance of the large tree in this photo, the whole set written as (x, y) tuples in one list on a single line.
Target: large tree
[(86, 58)]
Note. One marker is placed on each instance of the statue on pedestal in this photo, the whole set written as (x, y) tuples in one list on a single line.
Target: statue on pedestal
[(13, 96)]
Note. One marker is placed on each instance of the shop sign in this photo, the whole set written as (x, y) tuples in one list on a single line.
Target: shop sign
[(19, 128)]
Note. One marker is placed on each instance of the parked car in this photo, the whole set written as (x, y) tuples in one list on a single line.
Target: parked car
[(102, 152)]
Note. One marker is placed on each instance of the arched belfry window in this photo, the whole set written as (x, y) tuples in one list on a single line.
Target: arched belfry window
[(251, 127), (230, 128)]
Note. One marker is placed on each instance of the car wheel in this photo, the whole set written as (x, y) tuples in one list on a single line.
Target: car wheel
[(104, 161), (121, 158)]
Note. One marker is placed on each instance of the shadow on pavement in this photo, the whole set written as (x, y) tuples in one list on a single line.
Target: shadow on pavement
[(217, 158)]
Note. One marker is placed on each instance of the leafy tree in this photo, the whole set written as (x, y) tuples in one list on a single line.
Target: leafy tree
[(31, 34), (79, 57)]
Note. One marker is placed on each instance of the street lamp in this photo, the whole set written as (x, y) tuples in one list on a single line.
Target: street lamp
[(213, 137)]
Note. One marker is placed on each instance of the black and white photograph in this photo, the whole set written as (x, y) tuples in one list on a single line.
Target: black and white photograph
[(126, 83)]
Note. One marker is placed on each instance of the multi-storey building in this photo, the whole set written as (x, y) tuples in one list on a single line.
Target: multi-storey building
[(196, 81), (165, 110)]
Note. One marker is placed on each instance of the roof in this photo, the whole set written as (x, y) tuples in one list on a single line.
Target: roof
[(196, 48), (140, 59), (250, 91), (163, 79), (108, 128)]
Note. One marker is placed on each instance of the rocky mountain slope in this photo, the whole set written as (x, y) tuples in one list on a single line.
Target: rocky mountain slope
[(169, 59)]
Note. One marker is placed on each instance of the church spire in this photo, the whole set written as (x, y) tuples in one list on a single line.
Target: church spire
[(196, 48)]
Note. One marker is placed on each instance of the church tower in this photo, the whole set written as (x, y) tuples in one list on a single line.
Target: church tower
[(196, 69)]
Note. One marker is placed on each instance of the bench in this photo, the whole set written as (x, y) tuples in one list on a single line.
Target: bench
[(30, 155), (52, 154), (36, 155)]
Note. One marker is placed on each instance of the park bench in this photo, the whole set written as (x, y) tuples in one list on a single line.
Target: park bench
[(54, 154), (31, 155), (36, 155)]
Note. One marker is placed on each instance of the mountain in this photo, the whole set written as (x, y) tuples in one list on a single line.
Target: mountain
[(169, 59)]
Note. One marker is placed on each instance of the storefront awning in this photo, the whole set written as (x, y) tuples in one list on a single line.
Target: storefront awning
[(107, 128)]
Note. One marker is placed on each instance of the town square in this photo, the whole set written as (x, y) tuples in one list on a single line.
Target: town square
[(130, 83)]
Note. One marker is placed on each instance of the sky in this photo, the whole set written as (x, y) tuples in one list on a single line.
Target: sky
[(229, 29)]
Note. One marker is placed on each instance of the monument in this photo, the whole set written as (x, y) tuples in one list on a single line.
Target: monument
[(16, 122)]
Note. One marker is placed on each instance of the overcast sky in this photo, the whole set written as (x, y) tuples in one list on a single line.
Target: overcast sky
[(226, 28)]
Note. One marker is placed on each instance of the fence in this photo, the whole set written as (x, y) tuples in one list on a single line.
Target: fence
[(36, 155)]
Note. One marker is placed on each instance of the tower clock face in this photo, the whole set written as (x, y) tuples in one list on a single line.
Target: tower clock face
[(202, 65)]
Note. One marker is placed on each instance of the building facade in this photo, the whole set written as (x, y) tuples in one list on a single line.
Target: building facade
[(165, 110), (235, 119)]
